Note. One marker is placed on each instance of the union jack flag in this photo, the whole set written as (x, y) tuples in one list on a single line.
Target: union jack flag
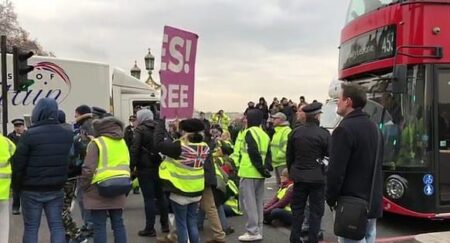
[(194, 155)]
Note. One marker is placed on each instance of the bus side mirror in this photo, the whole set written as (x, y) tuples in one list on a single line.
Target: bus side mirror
[(399, 79)]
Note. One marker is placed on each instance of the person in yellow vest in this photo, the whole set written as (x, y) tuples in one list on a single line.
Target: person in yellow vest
[(279, 143), (183, 172), (253, 164), (222, 119), (106, 177), (278, 210), (6, 152), (236, 155)]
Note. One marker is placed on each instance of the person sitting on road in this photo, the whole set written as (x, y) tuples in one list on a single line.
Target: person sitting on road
[(278, 210)]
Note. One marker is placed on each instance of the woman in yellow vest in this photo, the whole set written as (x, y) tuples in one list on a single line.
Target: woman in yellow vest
[(278, 210), (107, 160), (183, 173), (7, 149)]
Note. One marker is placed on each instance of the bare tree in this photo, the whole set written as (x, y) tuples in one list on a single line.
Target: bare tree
[(16, 35)]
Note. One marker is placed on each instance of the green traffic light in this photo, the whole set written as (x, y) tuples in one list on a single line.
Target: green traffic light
[(25, 85)]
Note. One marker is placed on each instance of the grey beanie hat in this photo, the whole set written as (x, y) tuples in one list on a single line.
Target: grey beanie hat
[(143, 115)]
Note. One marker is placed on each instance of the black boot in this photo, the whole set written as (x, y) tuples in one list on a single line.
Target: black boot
[(147, 232)]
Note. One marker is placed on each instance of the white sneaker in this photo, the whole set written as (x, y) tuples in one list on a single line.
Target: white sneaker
[(250, 237)]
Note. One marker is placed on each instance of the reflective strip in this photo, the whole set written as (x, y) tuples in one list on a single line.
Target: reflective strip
[(185, 177), (5, 176), (180, 165), (4, 164), (104, 153), (120, 167)]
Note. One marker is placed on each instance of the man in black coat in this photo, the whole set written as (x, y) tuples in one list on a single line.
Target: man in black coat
[(39, 170), (145, 160), (307, 147), (352, 156)]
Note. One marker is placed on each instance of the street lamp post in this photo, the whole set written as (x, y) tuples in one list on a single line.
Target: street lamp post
[(150, 66), (149, 62), (136, 71)]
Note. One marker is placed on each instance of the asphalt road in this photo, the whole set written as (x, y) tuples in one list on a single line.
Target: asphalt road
[(389, 226)]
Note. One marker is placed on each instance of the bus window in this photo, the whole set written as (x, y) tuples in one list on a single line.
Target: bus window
[(404, 120), (361, 7), (444, 111)]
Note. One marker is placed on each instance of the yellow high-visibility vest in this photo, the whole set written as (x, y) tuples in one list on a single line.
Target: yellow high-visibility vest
[(233, 203), (246, 168), (7, 149), (278, 145), (189, 179), (281, 193), (236, 155), (113, 159)]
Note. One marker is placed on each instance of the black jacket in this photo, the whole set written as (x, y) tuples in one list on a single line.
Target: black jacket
[(41, 159), (170, 148), (129, 136), (307, 145), (352, 157), (143, 154), (14, 137)]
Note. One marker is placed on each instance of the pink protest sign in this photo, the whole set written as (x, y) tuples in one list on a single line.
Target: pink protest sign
[(177, 73)]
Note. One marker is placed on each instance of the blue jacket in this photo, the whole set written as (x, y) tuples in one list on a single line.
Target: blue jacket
[(40, 161)]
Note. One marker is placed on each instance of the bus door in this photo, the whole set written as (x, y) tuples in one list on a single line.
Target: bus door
[(443, 133)]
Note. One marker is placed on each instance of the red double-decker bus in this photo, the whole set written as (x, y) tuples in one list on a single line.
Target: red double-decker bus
[(400, 51)]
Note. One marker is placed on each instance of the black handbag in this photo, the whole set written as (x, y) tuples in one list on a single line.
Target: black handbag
[(114, 187), (351, 216)]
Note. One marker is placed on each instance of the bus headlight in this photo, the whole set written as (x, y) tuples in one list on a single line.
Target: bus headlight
[(395, 186)]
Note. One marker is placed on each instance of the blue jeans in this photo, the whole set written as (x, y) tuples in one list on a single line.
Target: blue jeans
[(371, 234), (186, 222), (99, 220), (32, 205)]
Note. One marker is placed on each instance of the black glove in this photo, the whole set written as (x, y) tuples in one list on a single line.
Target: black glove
[(266, 173), (331, 204), (269, 166)]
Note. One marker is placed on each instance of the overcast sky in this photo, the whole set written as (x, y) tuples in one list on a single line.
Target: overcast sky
[(246, 49)]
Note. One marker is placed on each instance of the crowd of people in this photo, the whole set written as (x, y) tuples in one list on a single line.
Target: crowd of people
[(193, 168)]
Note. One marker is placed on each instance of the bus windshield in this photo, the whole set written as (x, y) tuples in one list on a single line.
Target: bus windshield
[(360, 7), (404, 119)]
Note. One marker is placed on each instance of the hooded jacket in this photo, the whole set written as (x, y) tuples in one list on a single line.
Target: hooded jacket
[(109, 127), (40, 162)]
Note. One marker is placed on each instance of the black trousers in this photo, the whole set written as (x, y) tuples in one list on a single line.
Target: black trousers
[(151, 188), (316, 194)]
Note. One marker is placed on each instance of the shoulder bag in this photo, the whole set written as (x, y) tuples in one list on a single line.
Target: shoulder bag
[(351, 214)]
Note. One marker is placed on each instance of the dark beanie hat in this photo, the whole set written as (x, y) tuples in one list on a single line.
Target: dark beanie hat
[(254, 117), (83, 109), (99, 112), (192, 125), (61, 116)]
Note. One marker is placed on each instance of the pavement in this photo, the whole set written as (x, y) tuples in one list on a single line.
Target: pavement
[(391, 228)]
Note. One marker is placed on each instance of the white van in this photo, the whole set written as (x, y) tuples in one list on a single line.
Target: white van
[(72, 83)]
